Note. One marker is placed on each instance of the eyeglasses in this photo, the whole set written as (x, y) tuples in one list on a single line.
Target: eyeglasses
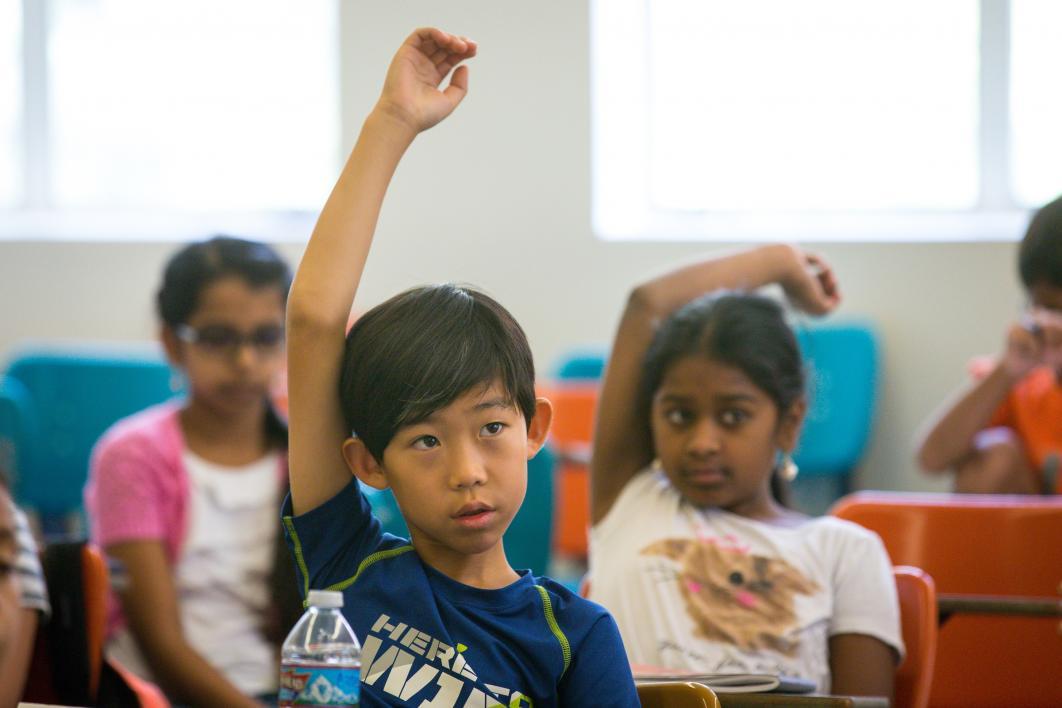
[(226, 341)]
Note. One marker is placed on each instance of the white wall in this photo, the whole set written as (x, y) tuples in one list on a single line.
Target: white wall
[(499, 196)]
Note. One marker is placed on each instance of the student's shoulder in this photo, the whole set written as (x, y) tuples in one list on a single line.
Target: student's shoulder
[(646, 495), (569, 609), (1038, 384), (841, 536), (152, 427)]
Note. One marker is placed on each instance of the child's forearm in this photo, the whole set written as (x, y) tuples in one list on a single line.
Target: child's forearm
[(746, 270), (319, 306), (951, 437), (330, 271), (331, 268)]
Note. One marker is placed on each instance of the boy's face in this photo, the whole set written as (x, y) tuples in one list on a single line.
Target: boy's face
[(1046, 296), (460, 476)]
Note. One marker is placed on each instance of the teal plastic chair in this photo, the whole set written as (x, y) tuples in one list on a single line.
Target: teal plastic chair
[(584, 364), (842, 364), (54, 405), (528, 540)]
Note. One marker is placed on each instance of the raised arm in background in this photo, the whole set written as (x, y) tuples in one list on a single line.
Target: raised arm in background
[(622, 440)]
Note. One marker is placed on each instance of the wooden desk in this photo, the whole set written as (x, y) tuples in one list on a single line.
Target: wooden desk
[(807, 700)]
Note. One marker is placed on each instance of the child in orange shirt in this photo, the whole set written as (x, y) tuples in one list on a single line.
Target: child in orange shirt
[(1003, 434)]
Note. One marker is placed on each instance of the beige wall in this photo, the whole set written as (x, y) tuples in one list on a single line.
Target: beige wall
[(499, 196)]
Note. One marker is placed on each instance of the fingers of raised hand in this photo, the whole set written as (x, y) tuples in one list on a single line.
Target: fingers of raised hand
[(824, 274), (819, 293), (441, 46), (1025, 340), (458, 85)]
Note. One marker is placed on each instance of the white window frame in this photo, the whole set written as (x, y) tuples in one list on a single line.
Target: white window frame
[(37, 219), (621, 209)]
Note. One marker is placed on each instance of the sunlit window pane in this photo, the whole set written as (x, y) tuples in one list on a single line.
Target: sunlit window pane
[(10, 101), (821, 104), (193, 105), (1035, 100)]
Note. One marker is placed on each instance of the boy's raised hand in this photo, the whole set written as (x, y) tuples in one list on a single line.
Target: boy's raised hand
[(411, 90)]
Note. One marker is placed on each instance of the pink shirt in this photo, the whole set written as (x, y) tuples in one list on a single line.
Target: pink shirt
[(138, 487)]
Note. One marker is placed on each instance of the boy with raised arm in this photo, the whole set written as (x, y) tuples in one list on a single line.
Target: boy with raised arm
[(432, 395)]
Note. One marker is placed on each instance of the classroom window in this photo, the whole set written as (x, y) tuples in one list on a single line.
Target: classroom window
[(822, 120), (1035, 100), (10, 87), (150, 111)]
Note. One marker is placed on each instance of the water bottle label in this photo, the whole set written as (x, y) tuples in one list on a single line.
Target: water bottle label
[(319, 685)]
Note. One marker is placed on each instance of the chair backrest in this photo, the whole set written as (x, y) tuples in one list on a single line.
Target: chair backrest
[(677, 694), (528, 539), (918, 617), (574, 405), (68, 398), (981, 545), (69, 653), (584, 364), (842, 363), (68, 666)]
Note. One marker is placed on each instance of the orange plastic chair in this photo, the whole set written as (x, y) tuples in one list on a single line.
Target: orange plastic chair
[(918, 617), (574, 405), (68, 666), (677, 694), (980, 545)]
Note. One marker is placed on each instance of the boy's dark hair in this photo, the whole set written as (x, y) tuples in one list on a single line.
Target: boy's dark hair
[(196, 266), (745, 331), (421, 350), (1040, 255)]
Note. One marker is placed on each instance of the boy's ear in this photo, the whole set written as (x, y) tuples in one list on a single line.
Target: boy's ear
[(789, 426), (362, 464), (539, 427)]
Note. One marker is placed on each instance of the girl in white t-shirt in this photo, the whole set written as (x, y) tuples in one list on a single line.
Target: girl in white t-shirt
[(691, 549)]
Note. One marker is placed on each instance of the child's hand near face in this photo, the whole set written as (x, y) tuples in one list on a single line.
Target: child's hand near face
[(411, 91), (1034, 341)]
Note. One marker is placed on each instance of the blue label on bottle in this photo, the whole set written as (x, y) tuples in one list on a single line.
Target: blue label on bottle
[(319, 685)]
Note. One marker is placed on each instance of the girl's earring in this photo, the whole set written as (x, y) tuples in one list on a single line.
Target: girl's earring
[(656, 465), (176, 381), (788, 468)]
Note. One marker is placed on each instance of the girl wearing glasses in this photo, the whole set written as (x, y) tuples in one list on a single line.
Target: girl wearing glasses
[(185, 495)]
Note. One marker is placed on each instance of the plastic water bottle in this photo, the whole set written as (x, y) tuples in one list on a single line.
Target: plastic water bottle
[(320, 662)]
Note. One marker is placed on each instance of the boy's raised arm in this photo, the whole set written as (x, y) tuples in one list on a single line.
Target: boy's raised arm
[(331, 268), (622, 438)]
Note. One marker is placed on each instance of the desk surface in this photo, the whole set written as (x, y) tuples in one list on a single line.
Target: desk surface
[(753, 700), (949, 603)]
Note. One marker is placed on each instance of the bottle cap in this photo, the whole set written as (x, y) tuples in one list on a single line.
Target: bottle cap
[(324, 598)]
